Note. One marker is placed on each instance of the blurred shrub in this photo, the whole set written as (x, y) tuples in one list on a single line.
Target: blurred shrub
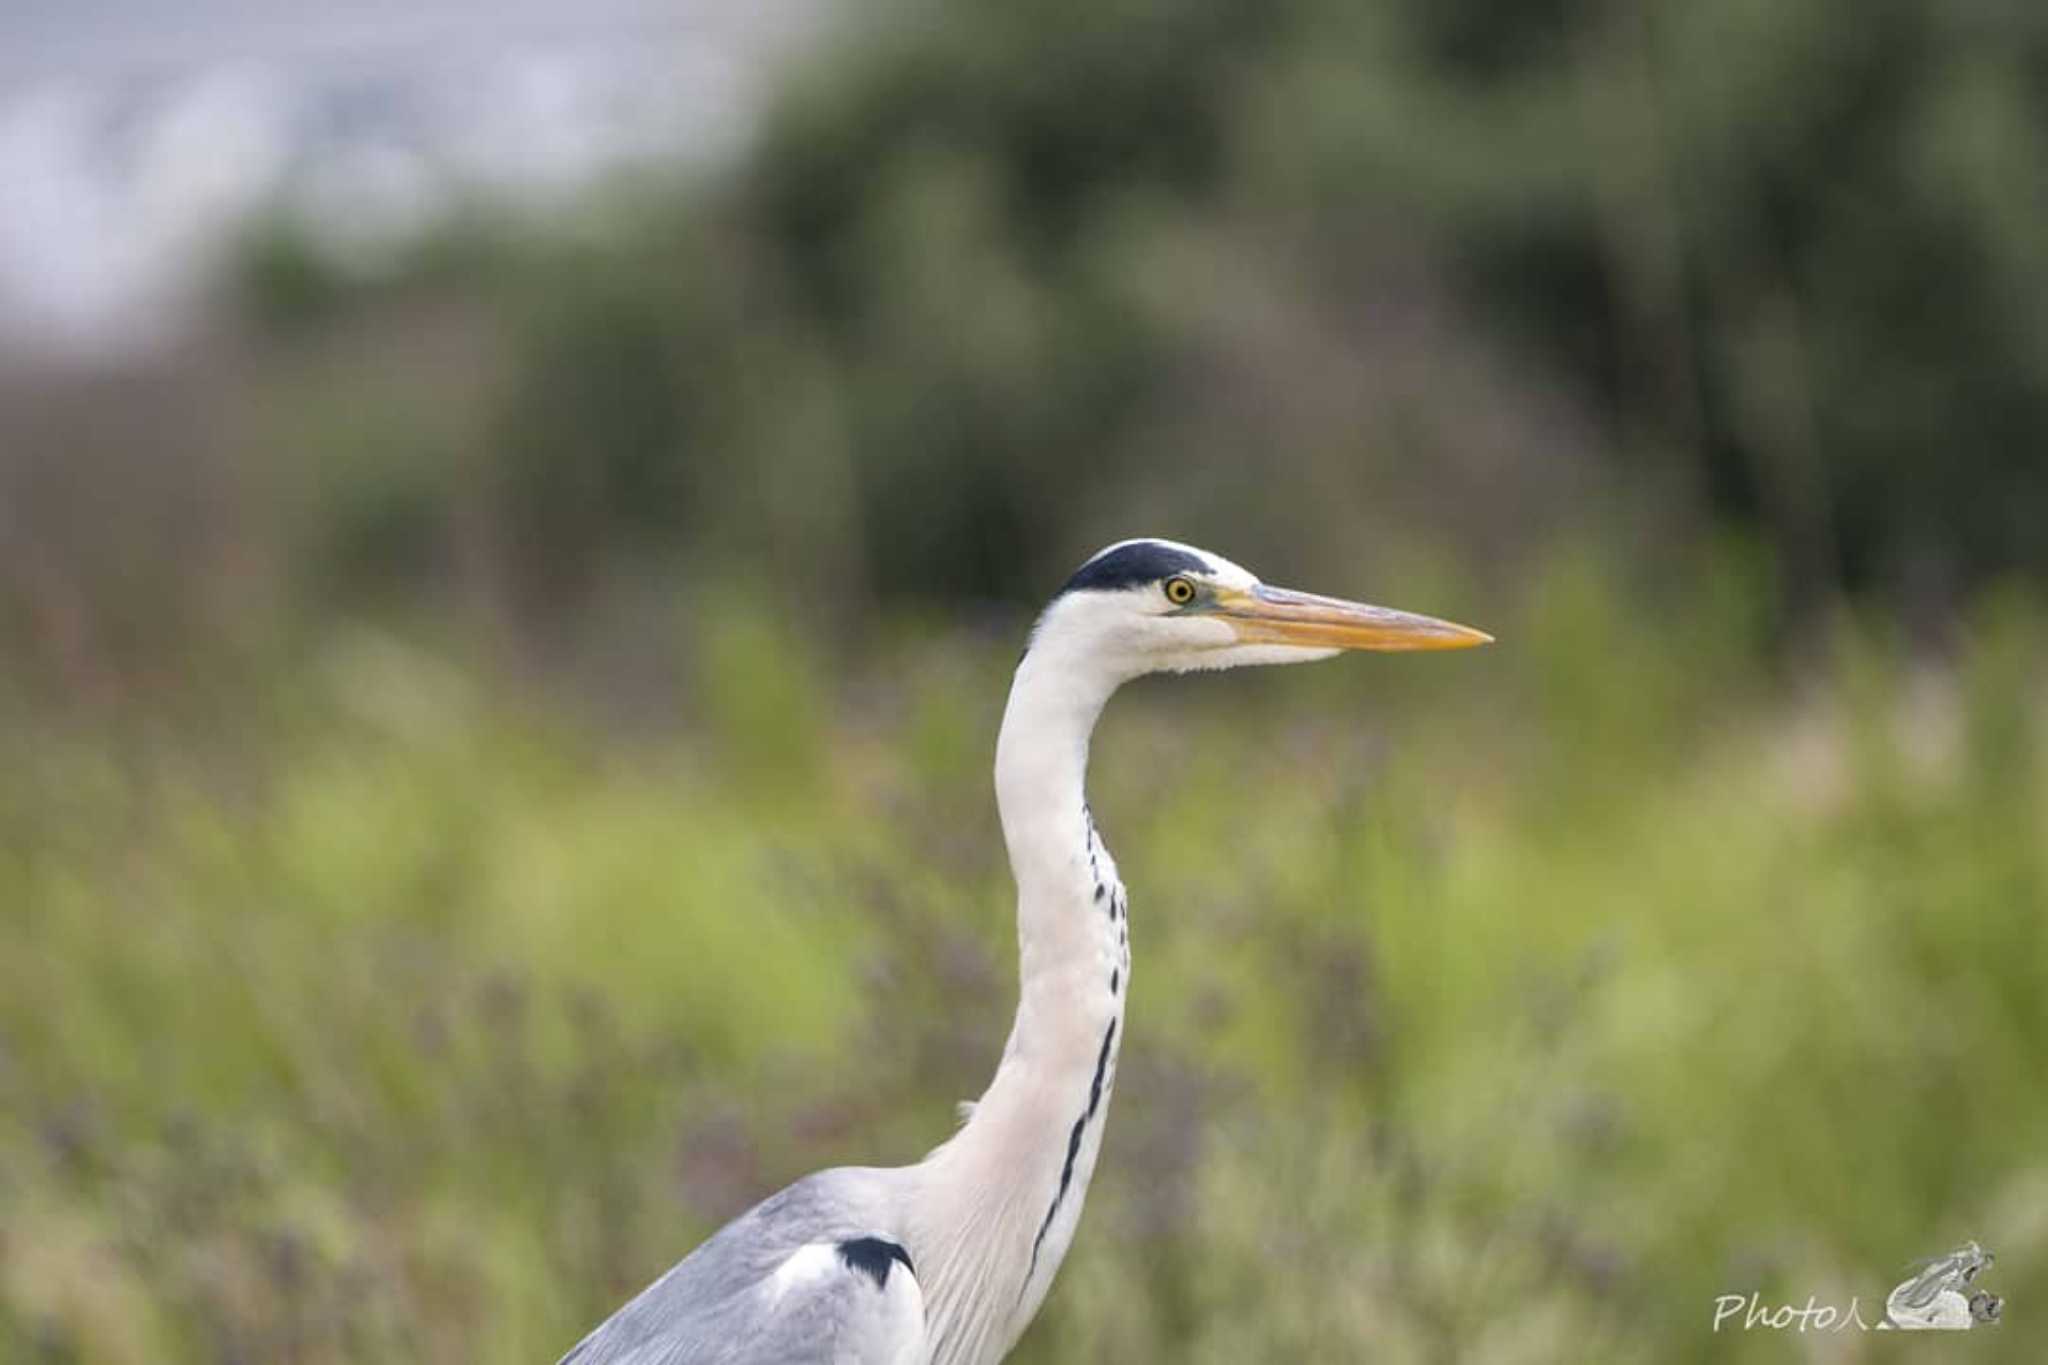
[(1506, 1008)]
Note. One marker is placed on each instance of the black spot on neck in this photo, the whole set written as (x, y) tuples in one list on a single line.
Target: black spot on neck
[(1129, 566), (872, 1256)]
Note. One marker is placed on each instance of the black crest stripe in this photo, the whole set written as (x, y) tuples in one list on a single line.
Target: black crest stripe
[(1128, 566)]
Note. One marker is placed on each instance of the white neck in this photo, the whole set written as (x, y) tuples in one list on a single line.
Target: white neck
[(994, 1209)]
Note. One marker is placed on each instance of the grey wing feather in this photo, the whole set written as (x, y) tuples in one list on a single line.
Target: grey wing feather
[(774, 1286)]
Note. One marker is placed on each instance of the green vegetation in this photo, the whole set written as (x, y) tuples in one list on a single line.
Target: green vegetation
[(1505, 1006), (1782, 263)]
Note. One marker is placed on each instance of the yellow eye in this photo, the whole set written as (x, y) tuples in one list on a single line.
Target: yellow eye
[(1179, 591)]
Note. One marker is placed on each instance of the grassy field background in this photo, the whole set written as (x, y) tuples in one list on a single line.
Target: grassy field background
[(1505, 1006)]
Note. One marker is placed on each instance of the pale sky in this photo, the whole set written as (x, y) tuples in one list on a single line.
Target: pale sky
[(134, 134)]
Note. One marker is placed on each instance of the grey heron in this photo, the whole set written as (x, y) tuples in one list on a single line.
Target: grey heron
[(946, 1261)]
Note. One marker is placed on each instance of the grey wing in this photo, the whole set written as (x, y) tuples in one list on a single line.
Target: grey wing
[(802, 1278)]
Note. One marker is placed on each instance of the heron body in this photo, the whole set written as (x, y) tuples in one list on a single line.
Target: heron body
[(945, 1262)]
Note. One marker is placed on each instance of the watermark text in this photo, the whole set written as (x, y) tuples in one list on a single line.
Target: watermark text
[(1748, 1313)]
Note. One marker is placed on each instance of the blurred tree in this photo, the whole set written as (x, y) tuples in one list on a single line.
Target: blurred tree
[(1340, 287), (1781, 252)]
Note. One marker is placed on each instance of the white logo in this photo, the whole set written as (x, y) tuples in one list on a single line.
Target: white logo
[(1937, 1298)]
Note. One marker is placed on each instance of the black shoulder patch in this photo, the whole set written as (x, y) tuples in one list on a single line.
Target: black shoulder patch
[(872, 1255), (1128, 566)]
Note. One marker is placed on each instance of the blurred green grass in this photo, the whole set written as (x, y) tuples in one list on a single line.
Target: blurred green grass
[(1506, 1006)]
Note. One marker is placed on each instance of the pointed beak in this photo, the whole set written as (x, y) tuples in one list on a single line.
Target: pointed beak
[(1265, 615)]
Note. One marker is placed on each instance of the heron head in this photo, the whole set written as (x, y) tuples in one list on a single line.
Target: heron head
[(1157, 606)]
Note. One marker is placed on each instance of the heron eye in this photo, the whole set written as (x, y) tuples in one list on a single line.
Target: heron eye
[(1180, 591)]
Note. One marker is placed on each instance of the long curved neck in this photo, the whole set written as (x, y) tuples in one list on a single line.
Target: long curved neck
[(996, 1207), (1041, 766)]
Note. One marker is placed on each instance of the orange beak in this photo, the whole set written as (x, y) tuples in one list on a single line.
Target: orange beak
[(1264, 615)]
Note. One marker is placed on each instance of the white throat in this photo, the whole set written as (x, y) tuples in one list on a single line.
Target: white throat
[(994, 1209)]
